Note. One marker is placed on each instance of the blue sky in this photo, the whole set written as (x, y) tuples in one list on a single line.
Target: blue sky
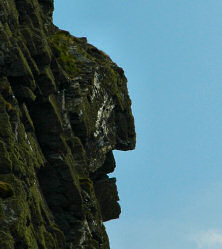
[(170, 186)]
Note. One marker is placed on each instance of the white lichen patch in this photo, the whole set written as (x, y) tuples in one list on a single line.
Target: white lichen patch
[(96, 86), (16, 131), (80, 113), (73, 50), (103, 115), (28, 141), (84, 232), (61, 98)]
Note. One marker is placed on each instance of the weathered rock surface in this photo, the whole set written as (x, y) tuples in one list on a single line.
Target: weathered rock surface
[(64, 107)]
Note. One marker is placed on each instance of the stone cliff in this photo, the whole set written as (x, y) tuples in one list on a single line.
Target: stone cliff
[(64, 107)]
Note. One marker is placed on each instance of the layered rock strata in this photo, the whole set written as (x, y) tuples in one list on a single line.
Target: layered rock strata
[(64, 107)]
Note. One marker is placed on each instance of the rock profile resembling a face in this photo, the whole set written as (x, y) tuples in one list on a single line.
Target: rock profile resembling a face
[(64, 108)]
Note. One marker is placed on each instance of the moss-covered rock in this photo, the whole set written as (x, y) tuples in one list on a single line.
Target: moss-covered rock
[(6, 190), (64, 107)]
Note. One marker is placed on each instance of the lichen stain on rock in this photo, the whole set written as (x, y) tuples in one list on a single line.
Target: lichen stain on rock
[(64, 107)]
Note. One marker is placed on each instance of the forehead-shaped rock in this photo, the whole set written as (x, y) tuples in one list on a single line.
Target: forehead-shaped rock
[(95, 97)]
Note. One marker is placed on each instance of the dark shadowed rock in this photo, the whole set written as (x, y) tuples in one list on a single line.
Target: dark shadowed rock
[(6, 190), (107, 195)]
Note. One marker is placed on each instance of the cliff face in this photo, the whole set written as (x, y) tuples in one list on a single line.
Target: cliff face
[(64, 107)]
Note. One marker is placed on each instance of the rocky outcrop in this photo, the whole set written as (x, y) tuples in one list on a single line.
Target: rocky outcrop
[(64, 107)]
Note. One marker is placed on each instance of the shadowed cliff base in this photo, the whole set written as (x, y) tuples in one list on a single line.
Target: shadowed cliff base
[(64, 107)]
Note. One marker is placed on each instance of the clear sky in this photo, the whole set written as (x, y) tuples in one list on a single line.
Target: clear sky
[(171, 185)]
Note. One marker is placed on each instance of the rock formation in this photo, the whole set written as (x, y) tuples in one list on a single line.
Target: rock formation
[(64, 107)]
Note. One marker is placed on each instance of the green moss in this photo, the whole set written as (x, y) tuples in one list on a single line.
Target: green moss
[(21, 68), (7, 30), (26, 215), (113, 86), (8, 106), (27, 119), (89, 116), (86, 184), (6, 190), (76, 147), (5, 127), (60, 42), (46, 81), (5, 162), (57, 108), (49, 240), (6, 240), (25, 94), (25, 155), (5, 88), (35, 153), (92, 244)]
